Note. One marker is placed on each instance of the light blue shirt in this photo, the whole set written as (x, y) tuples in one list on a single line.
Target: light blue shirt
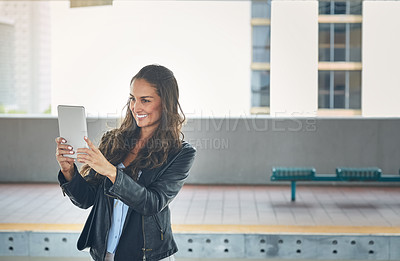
[(117, 221)]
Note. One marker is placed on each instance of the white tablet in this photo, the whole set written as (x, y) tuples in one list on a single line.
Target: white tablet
[(72, 126)]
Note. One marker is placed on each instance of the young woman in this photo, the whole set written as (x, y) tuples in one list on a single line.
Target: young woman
[(131, 178)]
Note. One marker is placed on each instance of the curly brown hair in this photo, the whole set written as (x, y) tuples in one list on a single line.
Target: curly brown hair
[(167, 138)]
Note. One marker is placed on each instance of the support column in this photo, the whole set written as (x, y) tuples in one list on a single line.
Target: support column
[(294, 58), (381, 57)]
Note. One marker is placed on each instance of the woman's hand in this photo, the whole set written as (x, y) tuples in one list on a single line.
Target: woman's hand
[(96, 160), (66, 164)]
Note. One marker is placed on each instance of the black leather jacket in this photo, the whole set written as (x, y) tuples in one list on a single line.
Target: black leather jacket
[(149, 197)]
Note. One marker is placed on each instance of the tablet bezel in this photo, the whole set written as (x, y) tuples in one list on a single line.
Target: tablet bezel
[(72, 126)]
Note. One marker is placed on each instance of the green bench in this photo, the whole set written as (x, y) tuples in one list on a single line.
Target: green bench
[(342, 174)]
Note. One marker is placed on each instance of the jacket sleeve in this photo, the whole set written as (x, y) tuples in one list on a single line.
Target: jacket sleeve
[(81, 191), (154, 198)]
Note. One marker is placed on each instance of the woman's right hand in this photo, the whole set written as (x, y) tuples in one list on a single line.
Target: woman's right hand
[(66, 164)]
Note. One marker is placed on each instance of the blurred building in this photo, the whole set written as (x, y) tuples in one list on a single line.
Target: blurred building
[(326, 57), (28, 83), (276, 57), (282, 58), (7, 89)]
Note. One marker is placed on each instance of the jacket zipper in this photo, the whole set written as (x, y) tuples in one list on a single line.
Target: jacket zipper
[(159, 226), (144, 240)]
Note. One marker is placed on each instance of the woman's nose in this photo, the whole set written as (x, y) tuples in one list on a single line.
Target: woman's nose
[(137, 107)]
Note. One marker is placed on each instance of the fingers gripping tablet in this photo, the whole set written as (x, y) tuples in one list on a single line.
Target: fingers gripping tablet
[(72, 126)]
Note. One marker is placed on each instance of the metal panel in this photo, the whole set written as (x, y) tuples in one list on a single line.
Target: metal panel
[(262, 246), (297, 247), (354, 247), (210, 245), (54, 244), (228, 246), (394, 248), (14, 244)]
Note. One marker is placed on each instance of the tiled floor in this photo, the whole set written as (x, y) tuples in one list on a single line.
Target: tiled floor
[(225, 205), (271, 205)]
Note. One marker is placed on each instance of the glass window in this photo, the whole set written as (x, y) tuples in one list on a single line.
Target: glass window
[(260, 88), (339, 89), (261, 9), (325, 7), (340, 7), (324, 89), (339, 85), (355, 42), (261, 48), (356, 7), (331, 7), (355, 90), (260, 79), (324, 42), (346, 38), (340, 42)]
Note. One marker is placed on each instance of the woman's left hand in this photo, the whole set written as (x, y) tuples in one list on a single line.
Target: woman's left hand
[(96, 160)]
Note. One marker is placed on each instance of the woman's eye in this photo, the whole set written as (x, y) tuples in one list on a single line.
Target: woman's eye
[(132, 98), (144, 100)]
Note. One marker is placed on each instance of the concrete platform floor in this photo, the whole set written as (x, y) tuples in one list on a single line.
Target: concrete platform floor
[(241, 209)]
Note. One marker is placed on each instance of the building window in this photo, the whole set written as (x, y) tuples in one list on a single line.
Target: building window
[(260, 64), (339, 89), (328, 7), (261, 48), (260, 88), (339, 68)]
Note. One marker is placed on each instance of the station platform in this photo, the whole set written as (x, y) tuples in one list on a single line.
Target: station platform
[(257, 222)]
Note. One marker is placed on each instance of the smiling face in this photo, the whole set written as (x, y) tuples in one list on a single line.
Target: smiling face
[(145, 105)]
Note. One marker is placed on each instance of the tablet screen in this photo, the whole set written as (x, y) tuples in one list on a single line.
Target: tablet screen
[(72, 126)]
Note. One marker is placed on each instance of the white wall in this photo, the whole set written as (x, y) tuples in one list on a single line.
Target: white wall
[(294, 58), (97, 50), (381, 59)]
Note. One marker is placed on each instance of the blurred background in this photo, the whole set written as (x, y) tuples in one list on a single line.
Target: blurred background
[(293, 83), (231, 58), (262, 83)]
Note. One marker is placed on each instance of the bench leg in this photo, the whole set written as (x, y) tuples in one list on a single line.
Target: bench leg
[(293, 190)]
